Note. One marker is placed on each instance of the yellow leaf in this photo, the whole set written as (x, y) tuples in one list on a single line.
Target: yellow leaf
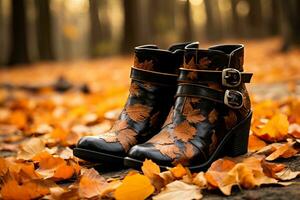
[(179, 190), (276, 129), (134, 187), (149, 168)]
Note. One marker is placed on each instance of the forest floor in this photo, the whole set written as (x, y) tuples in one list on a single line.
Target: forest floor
[(88, 95)]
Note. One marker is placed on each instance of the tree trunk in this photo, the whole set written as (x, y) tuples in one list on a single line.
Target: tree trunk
[(95, 27), (188, 30), (18, 53), (130, 36), (44, 30)]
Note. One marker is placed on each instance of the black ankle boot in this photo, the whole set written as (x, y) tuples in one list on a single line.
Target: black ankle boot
[(211, 115), (153, 87)]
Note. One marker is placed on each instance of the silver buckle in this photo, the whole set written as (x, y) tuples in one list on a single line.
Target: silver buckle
[(231, 77), (233, 99)]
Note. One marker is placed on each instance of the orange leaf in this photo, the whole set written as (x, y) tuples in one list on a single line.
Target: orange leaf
[(91, 184), (136, 186), (150, 169), (255, 143), (276, 129), (179, 171), (32, 189)]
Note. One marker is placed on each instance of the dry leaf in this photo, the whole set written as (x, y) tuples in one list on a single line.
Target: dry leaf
[(255, 143), (200, 180), (91, 184), (287, 174), (150, 169), (178, 171), (284, 151), (32, 189), (276, 129), (136, 186), (30, 148), (179, 190)]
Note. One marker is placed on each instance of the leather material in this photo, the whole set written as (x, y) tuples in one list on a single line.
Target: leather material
[(208, 76), (153, 77), (151, 95), (199, 120)]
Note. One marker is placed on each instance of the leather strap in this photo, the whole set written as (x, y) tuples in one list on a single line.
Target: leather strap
[(231, 98), (153, 77), (226, 76)]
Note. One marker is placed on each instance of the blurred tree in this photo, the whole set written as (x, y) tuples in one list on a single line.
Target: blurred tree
[(44, 30), (18, 52), (290, 25), (95, 27), (213, 26), (188, 29)]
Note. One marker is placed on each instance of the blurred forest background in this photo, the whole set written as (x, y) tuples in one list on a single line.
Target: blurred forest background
[(38, 30)]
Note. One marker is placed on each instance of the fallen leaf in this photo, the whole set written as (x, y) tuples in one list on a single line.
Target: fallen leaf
[(179, 190), (287, 174), (284, 151), (255, 143), (178, 171), (276, 128), (30, 148), (200, 180), (136, 186), (32, 189), (91, 184)]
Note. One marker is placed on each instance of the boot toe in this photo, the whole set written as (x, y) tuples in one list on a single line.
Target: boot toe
[(147, 151), (97, 144)]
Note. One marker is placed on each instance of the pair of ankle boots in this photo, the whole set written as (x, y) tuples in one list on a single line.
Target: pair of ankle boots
[(186, 105)]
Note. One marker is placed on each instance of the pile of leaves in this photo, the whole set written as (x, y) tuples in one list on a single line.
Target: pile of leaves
[(43, 164)]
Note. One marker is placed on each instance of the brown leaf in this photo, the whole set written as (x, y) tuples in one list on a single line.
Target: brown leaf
[(138, 112), (187, 108), (189, 150), (184, 131), (214, 142), (91, 184), (146, 65), (204, 62), (287, 174), (190, 64), (213, 116), (170, 150), (284, 151), (230, 120), (134, 89), (195, 116), (30, 148), (163, 137), (127, 138), (169, 119), (155, 119)]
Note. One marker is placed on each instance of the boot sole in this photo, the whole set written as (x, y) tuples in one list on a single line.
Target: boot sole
[(97, 157), (235, 143)]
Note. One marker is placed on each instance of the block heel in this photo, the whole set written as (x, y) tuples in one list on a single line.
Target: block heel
[(238, 143)]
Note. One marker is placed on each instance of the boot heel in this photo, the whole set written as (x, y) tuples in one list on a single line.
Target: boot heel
[(238, 143)]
